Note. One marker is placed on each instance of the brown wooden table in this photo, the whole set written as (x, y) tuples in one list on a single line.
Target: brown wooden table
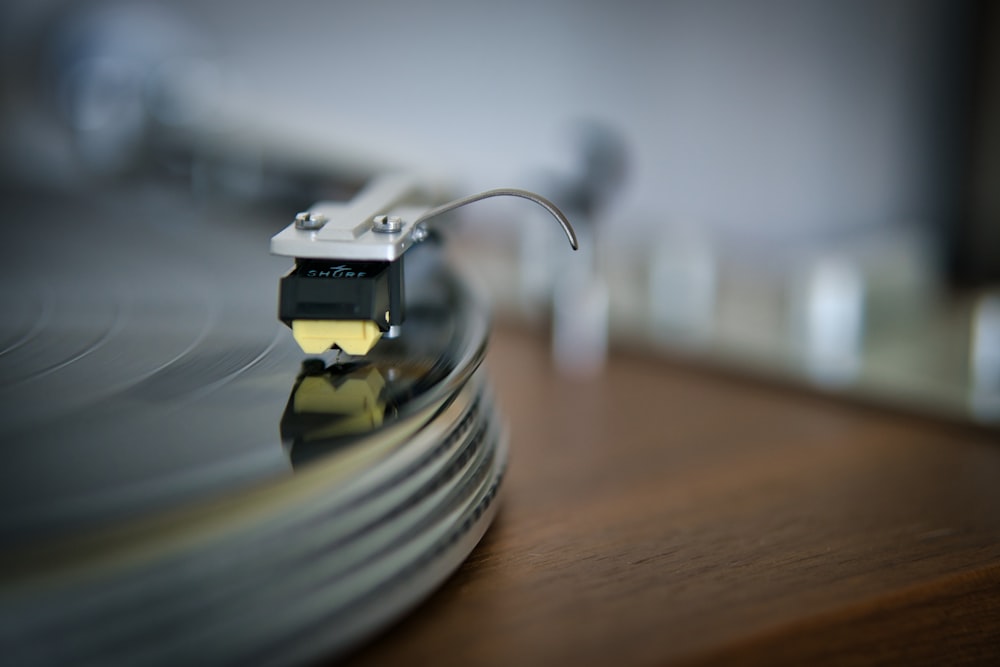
[(668, 515)]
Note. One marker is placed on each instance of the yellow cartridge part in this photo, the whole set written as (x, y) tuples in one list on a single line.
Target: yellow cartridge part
[(351, 336)]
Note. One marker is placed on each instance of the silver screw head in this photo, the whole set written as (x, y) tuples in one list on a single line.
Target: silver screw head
[(310, 221), (387, 224)]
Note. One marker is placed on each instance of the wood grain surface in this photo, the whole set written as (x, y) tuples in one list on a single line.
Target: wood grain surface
[(661, 514)]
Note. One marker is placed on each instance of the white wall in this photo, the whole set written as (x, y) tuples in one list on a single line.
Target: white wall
[(770, 116)]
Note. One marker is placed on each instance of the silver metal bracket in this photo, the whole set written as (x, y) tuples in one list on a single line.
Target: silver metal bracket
[(381, 222)]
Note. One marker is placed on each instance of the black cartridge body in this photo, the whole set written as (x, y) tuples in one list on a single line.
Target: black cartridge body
[(332, 289)]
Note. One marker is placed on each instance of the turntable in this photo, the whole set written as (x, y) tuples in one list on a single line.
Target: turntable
[(182, 484)]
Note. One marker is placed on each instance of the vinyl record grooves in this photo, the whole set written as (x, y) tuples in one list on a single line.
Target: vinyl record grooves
[(180, 485)]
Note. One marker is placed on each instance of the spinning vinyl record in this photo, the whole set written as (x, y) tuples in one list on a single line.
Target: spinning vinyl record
[(181, 484)]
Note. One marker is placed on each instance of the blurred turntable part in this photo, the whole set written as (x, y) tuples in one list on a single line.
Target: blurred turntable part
[(102, 89)]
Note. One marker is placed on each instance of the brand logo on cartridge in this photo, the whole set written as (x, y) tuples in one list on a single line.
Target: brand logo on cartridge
[(339, 271)]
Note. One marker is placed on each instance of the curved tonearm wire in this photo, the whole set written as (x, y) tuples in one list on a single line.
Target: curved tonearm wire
[(506, 192)]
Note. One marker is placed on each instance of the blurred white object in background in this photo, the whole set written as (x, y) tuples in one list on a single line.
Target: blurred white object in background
[(984, 359), (580, 326), (683, 277), (828, 314), (580, 306)]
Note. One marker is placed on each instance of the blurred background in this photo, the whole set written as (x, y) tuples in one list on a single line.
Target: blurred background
[(801, 190)]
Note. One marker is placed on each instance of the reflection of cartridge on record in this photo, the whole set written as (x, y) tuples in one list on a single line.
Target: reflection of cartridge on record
[(329, 404)]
